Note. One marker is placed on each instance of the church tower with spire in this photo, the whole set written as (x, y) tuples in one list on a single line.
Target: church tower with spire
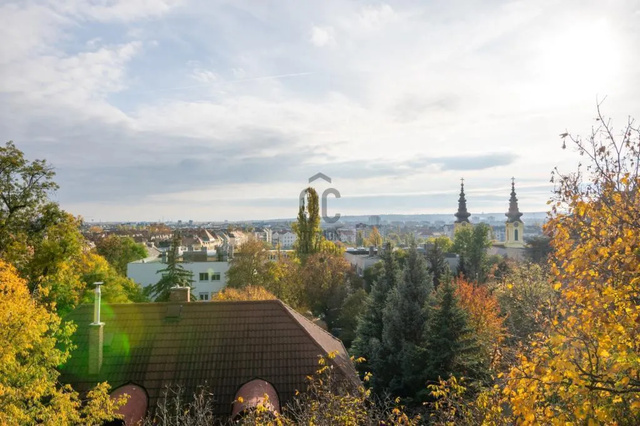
[(514, 226), (462, 215)]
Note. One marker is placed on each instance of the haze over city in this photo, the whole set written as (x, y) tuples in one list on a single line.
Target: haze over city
[(223, 110)]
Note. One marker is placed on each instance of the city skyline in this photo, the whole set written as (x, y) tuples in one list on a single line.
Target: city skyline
[(213, 110)]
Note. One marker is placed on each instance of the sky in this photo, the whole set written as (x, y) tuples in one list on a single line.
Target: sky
[(210, 110)]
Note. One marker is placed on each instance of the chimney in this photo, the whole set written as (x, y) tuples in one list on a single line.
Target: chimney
[(180, 294), (96, 334), (371, 252)]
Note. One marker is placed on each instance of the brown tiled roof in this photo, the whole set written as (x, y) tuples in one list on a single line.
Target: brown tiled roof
[(219, 344)]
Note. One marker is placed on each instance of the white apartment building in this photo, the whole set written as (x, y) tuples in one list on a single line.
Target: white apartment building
[(208, 277), (286, 239)]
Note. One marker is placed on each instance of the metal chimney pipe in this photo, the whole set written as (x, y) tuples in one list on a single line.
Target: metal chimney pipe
[(96, 302)]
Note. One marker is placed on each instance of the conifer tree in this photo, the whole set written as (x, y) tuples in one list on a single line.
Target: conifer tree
[(438, 266), (367, 343), (404, 318), (451, 348), (174, 275)]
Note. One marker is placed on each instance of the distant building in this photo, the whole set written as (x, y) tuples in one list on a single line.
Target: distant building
[(508, 241), (286, 239), (362, 259), (209, 274), (374, 220)]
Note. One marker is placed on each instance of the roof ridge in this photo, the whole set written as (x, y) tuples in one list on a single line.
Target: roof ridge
[(221, 302), (333, 360), (291, 311)]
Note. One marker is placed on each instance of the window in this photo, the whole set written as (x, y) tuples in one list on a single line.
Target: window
[(215, 276), (204, 296), (204, 276), (516, 232)]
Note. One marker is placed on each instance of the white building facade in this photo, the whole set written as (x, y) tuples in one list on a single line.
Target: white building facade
[(208, 277)]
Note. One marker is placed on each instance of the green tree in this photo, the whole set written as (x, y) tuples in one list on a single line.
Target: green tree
[(539, 249), (307, 227), (250, 266), (326, 282), (119, 251), (368, 341), (350, 311), (526, 299), (359, 238), (437, 263), (451, 347), (443, 242), (471, 243), (24, 189), (34, 344), (404, 318), (174, 275)]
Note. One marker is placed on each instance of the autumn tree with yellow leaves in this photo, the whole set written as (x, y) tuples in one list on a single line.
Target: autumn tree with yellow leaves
[(34, 343), (584, 368)]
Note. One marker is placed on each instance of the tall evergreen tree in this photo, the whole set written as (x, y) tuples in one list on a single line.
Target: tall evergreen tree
[(437, 263), (367, 343), (404, 318), (307, 227), (451, 348), (174, 275)]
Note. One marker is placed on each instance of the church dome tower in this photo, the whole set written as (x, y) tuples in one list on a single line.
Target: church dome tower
[(514, 226), (462, 215)]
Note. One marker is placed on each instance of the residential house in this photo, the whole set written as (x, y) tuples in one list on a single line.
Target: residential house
[(234, 349)]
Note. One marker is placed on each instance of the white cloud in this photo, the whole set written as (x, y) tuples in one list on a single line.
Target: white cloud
[(322, 36)]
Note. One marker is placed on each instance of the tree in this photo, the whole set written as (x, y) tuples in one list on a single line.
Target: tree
[(371, 275), (443, 242), (116, 288), (471, 244), (250, 266), (174, 275), (526, 299), (24, 186), (307, 227), (374, 239), (244, 293), (34, 343), (325, 280), (359, 238), (367, 343), (585, 368), (485, 319), (119, 251), (539, 249), (451, 347), (404, 319), (437, 263), (347, 322)]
